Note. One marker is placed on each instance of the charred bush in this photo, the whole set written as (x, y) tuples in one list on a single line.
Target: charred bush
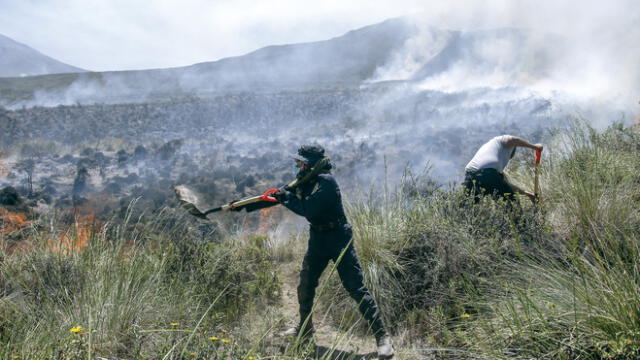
[(100, 158), (169, 149), (140, 152), (112, 188), (39, 196), (49, 189), (85, 162), (80, 181), (248, 181), (132, 178), (68, 159), (87, 152), (9, 196), (122, 155)]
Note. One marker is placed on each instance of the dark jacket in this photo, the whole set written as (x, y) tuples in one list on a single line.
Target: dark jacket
[(320, 202)]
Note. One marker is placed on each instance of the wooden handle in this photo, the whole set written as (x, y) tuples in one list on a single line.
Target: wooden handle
[(536, 178)]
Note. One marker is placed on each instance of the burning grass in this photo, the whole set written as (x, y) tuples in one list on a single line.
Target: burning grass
[(10, 221), (559, 280), (122, 283), (76, 237)]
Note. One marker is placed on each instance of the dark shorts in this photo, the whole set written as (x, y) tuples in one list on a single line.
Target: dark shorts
[(488, 182)]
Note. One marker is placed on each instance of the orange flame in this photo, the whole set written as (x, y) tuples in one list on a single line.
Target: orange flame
[(267, 219), (77, 236), (11, 221)]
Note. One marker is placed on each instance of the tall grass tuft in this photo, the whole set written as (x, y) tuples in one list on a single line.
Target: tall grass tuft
[(579, 301), (137, 290)]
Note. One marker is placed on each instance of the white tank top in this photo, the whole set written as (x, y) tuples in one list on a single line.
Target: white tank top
[(492, 155)]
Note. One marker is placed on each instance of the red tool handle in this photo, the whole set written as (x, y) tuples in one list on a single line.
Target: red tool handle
[(268, 195), (538, 156)]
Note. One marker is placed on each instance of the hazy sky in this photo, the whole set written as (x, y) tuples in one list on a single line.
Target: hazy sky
[(140, 34)]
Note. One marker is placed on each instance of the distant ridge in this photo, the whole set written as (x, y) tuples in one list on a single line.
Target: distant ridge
[(376, 53), (18, 60)]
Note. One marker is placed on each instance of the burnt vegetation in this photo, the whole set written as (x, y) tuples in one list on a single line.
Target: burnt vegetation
[(231, 146), (97, 176)]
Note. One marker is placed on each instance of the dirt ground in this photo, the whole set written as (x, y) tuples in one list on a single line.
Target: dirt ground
[(329, 339)]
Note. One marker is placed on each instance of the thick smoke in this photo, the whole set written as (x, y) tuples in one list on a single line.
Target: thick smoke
[(586, 52), (419, 93)]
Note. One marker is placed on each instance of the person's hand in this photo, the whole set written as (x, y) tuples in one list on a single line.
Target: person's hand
[(533, 197), (280, 195)]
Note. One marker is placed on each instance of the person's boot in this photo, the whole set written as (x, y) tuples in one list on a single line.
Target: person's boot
[(385, 347), (306, 334)]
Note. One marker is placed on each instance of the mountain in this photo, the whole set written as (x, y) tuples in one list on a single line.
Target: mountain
[(17, 59), (397, 49)]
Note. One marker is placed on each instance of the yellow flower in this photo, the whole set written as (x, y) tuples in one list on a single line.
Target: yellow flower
[(226, 341), (224, 331), (214, 338), (465, 316), (76, 329), (251, 357), (174, 324), (194, 354)]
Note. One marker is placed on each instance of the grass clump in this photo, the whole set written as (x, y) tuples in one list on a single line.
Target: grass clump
[(132, 291), (584, 302), (554, 280)]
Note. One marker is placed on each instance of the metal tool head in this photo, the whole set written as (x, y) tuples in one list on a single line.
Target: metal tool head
[(188, 201)]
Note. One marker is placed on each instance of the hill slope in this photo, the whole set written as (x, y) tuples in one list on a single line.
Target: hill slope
[(379, 52), (17, 59)]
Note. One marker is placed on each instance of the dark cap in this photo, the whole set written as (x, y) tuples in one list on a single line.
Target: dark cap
[(310, 154)]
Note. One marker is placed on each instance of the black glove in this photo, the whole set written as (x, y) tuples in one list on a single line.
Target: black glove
[(281, 195)]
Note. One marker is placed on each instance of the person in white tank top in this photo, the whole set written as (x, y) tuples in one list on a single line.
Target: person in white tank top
[(484, 174)]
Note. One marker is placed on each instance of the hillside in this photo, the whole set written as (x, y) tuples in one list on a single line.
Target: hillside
[(19, 60), (375, 53), (454, 279), (99, 260)]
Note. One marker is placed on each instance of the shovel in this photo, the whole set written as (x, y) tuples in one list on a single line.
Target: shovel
[(188, 201)]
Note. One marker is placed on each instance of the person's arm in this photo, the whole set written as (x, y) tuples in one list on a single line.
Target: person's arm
[(520, 191), (321, 198), (519, 142)]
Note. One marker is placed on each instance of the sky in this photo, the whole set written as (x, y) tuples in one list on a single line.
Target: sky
[(102, 35), (105, 35)]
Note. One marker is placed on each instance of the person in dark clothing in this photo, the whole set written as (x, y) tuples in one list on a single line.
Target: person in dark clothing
[(320, 202), (484, 173)]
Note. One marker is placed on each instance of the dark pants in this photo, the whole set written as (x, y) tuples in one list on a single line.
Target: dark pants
[(325, 246), (487, 182)]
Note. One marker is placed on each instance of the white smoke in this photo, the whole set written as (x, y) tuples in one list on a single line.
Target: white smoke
[(584, 52)]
